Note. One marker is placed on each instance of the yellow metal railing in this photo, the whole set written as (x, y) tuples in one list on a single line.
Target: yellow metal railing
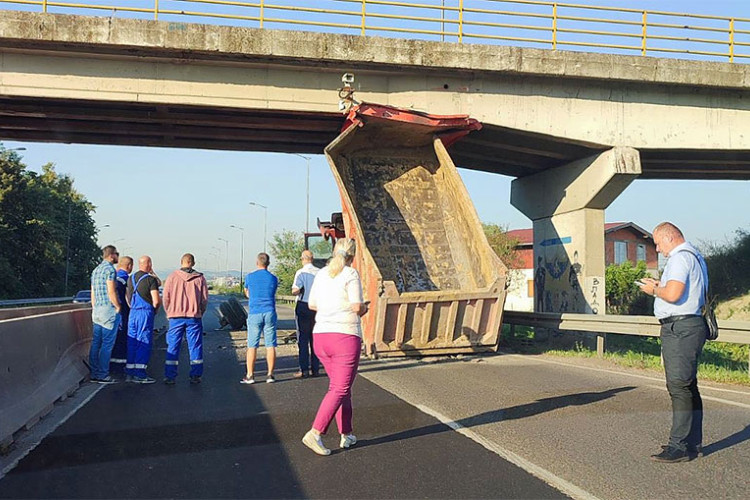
[(532, 23)]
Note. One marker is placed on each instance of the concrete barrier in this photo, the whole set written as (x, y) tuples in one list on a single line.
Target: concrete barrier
[(17, 312), (41, 360)]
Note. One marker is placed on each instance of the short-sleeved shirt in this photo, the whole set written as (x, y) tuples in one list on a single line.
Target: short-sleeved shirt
[(121, 286), (103, 312), (144, 287), (684, 267), (303, 279), (261, 286), (333, 297)]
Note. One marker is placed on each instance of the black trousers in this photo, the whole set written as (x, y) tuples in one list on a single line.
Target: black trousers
[(305, 323), (681, 345)]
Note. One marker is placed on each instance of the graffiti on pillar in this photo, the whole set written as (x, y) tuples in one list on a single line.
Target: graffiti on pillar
[(557, 285), (595, 289)]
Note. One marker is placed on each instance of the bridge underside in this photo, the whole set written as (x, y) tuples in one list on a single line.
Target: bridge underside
[(493, 149)]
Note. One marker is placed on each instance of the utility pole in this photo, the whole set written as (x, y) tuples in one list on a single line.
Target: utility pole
[(242, 252), (67, 249), (307, 205), (227, 256), (265, 221)]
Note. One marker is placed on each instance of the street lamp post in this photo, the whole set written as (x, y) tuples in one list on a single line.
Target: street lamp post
[(217, 254), (227, 256), (242, 251), (307, 205), (265, 220)]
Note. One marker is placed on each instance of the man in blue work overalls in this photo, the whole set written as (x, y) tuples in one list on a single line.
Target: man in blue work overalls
[(143, 297), (120, 350)]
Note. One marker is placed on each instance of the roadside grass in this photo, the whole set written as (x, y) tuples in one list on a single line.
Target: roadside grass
[(720, 362), (232, 291)]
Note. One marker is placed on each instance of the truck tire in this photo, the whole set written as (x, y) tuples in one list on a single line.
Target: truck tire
[(234, 313)]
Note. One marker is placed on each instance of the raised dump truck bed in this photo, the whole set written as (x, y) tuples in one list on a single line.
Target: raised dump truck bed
[(434, 283)]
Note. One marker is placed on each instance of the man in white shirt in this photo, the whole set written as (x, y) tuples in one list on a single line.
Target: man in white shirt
[(303, 281), (679, 297)]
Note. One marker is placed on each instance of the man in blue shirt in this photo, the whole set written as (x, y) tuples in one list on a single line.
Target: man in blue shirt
[(679, 297), (260, 289)]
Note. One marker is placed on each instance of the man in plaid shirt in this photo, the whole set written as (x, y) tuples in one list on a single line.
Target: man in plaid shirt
[(105, 313)]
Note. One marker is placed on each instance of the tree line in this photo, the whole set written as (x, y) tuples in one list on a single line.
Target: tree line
[(46, 227)]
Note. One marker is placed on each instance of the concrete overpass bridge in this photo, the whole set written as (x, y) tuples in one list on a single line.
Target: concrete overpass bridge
[(575, 128)]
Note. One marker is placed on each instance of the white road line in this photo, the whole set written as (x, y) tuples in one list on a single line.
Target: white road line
[(615, 372), (40, 431), (709, 398), (548, 477)]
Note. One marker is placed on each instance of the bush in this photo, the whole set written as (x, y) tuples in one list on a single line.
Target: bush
[(729, 266), (623, 295)]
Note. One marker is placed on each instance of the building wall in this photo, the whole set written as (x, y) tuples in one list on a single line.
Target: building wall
[(633, 239), (521, 291)]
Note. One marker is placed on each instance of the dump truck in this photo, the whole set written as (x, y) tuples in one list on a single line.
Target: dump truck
[(434, 284)]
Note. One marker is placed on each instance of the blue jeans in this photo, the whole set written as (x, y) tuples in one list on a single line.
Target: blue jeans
[(681, 345), (101, 349), (265, 322)]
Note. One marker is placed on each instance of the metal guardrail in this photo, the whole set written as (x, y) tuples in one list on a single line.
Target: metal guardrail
[(24, 302), (535, 23), (733, 332)]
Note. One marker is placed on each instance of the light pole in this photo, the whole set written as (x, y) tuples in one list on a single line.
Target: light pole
[(265, 220), (242, 251), (227, 256), (217, 254), (307, 211)]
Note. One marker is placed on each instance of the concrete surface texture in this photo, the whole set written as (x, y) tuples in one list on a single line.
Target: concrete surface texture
[(605, 100)]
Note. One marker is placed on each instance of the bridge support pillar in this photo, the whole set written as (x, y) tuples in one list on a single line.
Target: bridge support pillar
[(566, 205)]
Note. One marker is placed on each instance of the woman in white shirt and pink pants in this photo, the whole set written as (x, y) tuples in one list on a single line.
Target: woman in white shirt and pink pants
[(336, 295)]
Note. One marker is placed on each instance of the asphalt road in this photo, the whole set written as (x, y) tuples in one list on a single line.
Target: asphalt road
[(452, 427), (221, 439)]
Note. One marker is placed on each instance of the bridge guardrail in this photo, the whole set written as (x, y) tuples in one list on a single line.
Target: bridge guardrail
[(533, 23), (733, 332)]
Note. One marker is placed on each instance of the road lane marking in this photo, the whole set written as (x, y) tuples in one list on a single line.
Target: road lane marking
[(548, 477), (616, 372), (709, 398), (41, 430)]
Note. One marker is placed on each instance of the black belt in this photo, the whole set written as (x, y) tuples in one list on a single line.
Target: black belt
[(672, 319)]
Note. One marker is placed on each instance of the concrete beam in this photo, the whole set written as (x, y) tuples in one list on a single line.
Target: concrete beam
[(566, 205), (592, 182)]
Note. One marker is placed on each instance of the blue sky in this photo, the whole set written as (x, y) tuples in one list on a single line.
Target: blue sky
[(165, 202)]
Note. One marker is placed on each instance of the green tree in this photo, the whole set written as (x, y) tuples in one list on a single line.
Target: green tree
[(623, 295), (503, 245), (44, 223), (729, 266), (286, 249)]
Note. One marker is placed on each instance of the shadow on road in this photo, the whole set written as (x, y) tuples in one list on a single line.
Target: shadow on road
[(512, 413), (728, 442)]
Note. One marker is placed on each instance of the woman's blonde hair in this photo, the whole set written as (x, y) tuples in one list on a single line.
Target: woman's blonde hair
[(343, 253)]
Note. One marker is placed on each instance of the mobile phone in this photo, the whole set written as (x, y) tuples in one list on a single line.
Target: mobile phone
[(639, 283)]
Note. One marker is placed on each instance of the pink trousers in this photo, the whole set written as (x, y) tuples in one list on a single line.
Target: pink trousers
[(339, 354)]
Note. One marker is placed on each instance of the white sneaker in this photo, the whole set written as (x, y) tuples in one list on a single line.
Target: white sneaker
[(313, 441), (347, 440)]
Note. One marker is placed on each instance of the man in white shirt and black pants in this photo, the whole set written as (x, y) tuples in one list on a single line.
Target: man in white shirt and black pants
[(679, 297), (303, 281)]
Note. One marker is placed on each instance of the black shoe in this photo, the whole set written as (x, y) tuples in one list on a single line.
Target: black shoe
[(195, 380), (672, 456), (169, 381), (696, 451)]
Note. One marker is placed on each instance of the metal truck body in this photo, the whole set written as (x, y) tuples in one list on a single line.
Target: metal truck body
[(434, 284)]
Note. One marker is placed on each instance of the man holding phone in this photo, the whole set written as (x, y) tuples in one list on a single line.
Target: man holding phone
[(678, 299)]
